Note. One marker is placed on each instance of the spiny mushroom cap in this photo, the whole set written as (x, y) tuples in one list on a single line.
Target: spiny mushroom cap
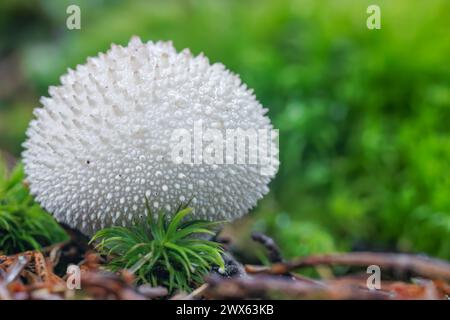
[(101, 142)]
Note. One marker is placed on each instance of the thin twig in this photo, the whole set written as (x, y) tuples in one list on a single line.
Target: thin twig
[(152, 292), (15, 269)]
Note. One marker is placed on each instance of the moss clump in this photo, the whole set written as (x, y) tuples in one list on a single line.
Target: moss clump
[(24, 225)]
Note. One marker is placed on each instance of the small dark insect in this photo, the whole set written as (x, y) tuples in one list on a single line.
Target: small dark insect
[(88, 161)]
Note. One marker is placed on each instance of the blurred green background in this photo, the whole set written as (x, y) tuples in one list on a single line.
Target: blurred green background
[(363, 114)]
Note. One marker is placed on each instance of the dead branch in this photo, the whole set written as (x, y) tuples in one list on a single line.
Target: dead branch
[(270, 287), (419, 265), (270, 245)]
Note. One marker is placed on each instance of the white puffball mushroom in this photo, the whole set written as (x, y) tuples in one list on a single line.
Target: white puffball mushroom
[(101, 142)]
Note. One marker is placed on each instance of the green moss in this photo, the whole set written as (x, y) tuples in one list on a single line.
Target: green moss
[(24, 225)]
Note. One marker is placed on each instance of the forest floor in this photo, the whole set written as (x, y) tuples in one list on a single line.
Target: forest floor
[(43, 275)]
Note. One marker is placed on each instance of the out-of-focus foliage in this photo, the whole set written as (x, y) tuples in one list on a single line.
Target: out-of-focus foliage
[(363, 114), (23, 224)]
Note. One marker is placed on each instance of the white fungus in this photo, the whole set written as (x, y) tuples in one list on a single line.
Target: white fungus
[(101, 142)]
